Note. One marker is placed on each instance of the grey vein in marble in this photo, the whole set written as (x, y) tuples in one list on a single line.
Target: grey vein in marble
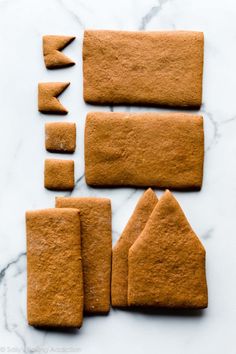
[(208, 234), (151, 14), (216, 126), (72, 13), (79, 179), (3, 280), (10, 264)]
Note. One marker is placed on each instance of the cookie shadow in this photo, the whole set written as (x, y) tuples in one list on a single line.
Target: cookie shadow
[(60, 330), (71, 331), (96, 314), (123, 104), (164, 312), (114, 186)]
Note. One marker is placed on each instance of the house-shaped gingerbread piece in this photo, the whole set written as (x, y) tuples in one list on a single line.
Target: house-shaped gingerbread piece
[(167, 261)]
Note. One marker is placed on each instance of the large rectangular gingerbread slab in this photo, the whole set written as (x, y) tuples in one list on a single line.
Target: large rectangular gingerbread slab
[(54, 268), (95, 216), (144, 149), (151, 68)]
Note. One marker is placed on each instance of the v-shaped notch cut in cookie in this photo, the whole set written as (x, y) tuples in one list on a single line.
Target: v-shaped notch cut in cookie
[(53, 57), (167, 262), (47, 97), (135, 226)]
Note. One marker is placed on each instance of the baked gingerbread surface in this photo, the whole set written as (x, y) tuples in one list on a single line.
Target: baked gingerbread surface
[(54, 268), (144, 149), (59, 174), (151, 68), (167, 261), (134, 227), (60, 137), (95, 216), (48, 102), (52, 46)]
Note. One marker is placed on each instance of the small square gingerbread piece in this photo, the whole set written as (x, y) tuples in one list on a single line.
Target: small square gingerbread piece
[(60, 137), (59, 174)]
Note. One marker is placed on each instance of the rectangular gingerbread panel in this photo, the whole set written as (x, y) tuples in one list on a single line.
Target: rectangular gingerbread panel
[(54, 268), (151, 68), (95, 217), (144, 149)]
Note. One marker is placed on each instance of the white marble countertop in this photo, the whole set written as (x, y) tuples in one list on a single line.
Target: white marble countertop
[(211, 211)]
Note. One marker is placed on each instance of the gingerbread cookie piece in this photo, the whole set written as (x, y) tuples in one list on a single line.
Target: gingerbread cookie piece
[(144, 149), (151, 68), (60, 137), (47, 97), (59, 174), (167, 261), (95, 216), (135, 226), (52, 46), (54, 268)]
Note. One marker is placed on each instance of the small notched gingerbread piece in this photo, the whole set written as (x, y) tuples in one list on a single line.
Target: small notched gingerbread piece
[(53, 57), (54, 268), (150, 68), (59, 174), (60, 137), (47, 97), (135, 226), (167, 261), (95, 216), (144, 150)]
